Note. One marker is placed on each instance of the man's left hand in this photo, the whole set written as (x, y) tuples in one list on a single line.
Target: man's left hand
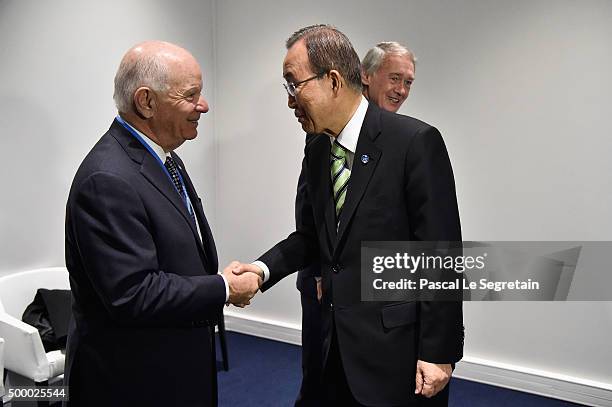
[(431, 378)]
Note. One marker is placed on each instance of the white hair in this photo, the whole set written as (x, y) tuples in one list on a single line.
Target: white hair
[(374, 57), (147, 70)]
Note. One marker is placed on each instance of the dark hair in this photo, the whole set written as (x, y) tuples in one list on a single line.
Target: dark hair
[(329, 49)]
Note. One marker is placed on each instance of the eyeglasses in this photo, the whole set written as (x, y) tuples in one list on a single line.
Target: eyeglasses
[(291, 87)]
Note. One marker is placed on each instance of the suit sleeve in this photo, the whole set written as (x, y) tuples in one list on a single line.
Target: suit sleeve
[(119, 255), (300, 249), (434, 216), (303, 212)]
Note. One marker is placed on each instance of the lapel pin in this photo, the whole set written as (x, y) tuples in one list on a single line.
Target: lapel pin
[(365, 159)]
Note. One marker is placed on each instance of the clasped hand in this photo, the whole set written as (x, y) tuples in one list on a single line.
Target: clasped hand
[(244, 281), (431, 378)]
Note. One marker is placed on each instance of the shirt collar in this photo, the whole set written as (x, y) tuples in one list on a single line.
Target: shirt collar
[(350, 133), (154, 146)]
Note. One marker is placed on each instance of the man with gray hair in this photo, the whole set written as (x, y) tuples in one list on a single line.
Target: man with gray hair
[(387, 72), (368, 175), (139, 250)]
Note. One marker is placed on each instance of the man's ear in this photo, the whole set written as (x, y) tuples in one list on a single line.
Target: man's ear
[(336, 80), (144, 102), (365, 78)]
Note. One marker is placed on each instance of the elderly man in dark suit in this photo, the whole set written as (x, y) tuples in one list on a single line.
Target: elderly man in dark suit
[(387, 74), (370, 175), (139, 250)]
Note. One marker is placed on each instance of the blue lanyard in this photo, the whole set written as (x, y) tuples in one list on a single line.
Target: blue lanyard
[(129, 128)]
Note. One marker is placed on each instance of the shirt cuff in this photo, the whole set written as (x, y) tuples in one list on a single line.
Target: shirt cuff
[(318, 278), (266, 270), (226, 287)]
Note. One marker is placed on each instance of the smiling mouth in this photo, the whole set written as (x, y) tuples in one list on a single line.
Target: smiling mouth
[(394, 100)]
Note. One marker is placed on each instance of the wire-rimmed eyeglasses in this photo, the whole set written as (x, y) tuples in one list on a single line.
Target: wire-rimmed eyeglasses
[(291, 87)]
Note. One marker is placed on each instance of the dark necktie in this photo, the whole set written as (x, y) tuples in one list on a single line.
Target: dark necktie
[(178, 183)]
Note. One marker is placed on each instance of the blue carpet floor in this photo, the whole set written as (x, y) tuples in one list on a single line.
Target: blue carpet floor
[(268, 373)]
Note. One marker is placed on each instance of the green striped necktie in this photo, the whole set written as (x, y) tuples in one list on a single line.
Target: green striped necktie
[(340, 174)]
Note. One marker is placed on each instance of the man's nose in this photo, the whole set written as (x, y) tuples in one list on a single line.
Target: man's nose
[(202, 105), (402, 90), (291, 102)]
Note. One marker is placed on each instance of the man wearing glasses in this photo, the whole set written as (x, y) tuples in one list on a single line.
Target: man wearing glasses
[(369, 175), (387, 73)]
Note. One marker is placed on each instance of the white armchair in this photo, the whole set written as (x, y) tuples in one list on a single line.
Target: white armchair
[(24, 357)]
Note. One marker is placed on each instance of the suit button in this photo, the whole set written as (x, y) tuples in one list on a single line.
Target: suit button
[(336, 268), (331, 306)]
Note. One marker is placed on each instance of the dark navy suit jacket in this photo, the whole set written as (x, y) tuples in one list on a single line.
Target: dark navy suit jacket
[(144, 285)]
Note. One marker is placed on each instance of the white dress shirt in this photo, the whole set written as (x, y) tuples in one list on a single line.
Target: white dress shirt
[(349, 135)]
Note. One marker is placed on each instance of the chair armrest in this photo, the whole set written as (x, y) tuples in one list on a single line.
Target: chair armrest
[(56, 360), (24, 353), (1, 369)]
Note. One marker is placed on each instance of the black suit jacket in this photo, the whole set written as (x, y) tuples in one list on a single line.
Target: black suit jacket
[(405, 191), (144, 285)]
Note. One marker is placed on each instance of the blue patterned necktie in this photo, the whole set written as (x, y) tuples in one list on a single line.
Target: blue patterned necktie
[(340, 174), (178, 183)]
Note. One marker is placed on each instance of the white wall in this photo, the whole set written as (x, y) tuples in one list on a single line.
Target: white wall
[(520, 92), (57, 64), (518, 89)]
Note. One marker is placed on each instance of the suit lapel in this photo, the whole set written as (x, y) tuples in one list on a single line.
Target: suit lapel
[(367, 156), (210, 250), (152, 172)]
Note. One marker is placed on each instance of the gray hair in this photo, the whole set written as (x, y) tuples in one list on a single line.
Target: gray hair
[(328, 49), (374, 57), (147, 70)]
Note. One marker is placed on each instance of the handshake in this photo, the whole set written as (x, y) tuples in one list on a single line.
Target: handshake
[(243, 281)]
